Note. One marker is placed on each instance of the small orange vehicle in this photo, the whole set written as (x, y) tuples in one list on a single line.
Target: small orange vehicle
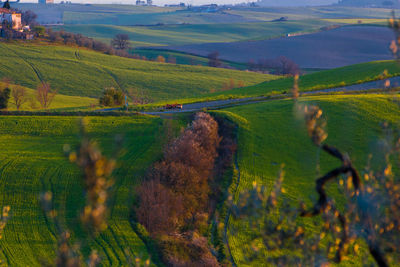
[(173, 106)]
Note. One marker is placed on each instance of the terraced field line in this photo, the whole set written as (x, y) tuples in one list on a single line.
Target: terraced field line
[(114, 77), (35, 70)]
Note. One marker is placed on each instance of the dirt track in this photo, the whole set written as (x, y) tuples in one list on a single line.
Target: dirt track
[(218, 104)]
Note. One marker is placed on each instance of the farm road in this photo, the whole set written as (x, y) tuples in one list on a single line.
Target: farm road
[(218, 104)]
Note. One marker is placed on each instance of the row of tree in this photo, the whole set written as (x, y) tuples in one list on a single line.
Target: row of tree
[(279, 66), (19, 95)]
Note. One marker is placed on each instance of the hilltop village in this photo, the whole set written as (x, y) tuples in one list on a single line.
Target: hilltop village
[(11, 26)]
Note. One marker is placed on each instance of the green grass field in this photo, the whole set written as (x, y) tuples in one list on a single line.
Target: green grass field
[(32, 162), (359, 21), (182, 58), (195, 33), (131, 15), (339, 77), (313, 12), (79, 72), (271, 134)]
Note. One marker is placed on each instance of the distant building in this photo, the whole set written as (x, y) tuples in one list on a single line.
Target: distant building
[(212, 8), (13, 18), (144, 2), (46, 2), (175, 5)]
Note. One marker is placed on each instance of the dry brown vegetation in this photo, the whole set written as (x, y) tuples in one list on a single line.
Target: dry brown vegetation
[(231, 84), (174, 199)]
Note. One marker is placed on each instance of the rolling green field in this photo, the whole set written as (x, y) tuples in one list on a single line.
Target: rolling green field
[(32, 162), (79, 72), (359, 21), (133, 15), (182, 58), (271, 134), (195, 33), (339, 77), (321, 12)]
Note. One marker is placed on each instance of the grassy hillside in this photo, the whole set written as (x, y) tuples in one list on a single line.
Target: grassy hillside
[(270, 134), (182, 58), (339, 77), (195, 33), (359, 21), (151, 18), (32, 162), (79, 72), (51, 14)]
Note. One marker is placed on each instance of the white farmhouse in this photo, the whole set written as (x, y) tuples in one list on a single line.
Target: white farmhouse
[(11, 17)]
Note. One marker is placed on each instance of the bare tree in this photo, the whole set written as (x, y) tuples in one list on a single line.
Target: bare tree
[(28, 17), (45, 95), (120, 41), (19, 96), (213, 59), (286, 66)]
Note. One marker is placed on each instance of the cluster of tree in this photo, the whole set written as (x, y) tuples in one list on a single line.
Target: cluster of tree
[(173, 201), (159, 58), (280, 66), (68, 38), (230, 84), (44, 95), (28, 18), (112, 97)]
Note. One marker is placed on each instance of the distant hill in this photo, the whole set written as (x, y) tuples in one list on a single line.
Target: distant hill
[(297, 2), (323, 50), (365, 3)]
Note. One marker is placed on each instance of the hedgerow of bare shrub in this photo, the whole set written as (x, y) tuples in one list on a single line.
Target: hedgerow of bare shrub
[(174, 199)]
